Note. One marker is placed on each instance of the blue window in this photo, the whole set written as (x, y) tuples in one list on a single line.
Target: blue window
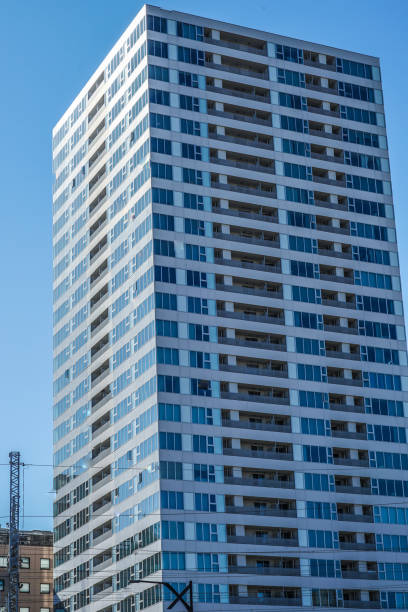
[(358, 92), (309, 346), (166, 301), (303, 196), (203, 444), (196, 253), (300, 243), (172, 530), (160, 145), (170, 412), (196, 331), (366, 207), (205, 502), (188, 30), (164, 274), (197, 305), (372, 279), (188, 79), (158, 96), (357, 69), (190, 56), (297, 171), (162, 196), (204, 473), (321, 510), (292, 101), (193, 201), (161, 122), (317, 454), (323, 539), (374, 304), (289, 54), (303, 268), (166, 328), (289, 77), (202, 416), (172, 500), (157, 24), (294, 124), (163, 171), (315, 427), (169, 440), (383, 406), (191, 151), (158, 73), (196, 279), (157, 48), (306, 294), (319, 482), (206, 532), (358, 114), (325, 568), (187, 126), (168, 384), (189, 103), (169, 356), (193, 177), (308, 320), (198, 359), (194, 226)]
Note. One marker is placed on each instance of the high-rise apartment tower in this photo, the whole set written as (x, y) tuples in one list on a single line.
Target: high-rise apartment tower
[(230, 363)]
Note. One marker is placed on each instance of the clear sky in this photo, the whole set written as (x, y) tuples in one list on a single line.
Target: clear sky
[(49, 49)]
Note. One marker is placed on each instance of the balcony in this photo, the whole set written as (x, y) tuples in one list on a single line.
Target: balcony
[(342, 355), (101, 398), (357, 546), (353, 490), (347, 408), (246, 117), (265, 398), (355, 575), (256, 426), (278, 373), (248, 48), (262, 541), (237, 68), (350, 435), (354, 518), (260, 482), (333, 278), (249, 141), (99, 323), (257, 319), (239, 93), (251, 510), (273, 268), (276, 294), (266, 601), (339, 329), (255, 189), (264, 571), (235, 212), (351, 462), (97, 202), (257, 166), (245, 452), (340, 380), (363, 605)]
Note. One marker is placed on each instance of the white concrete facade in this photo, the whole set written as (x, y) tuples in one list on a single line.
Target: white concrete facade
[(230, 367)]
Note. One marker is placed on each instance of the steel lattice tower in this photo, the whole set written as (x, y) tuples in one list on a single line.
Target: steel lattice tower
[(14, 537)]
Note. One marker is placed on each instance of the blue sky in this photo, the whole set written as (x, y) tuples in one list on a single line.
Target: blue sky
[(49, 49)]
